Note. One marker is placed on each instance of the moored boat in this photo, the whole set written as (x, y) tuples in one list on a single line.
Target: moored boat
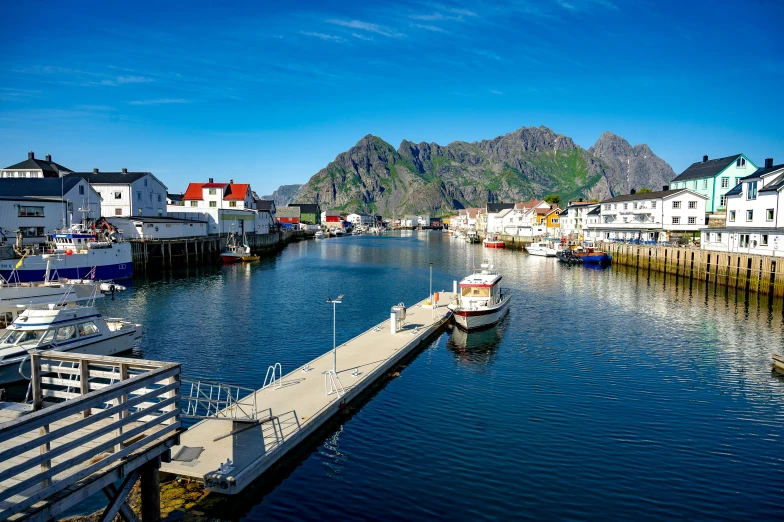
[(482, 302), (236, 253), (584, 256), (80, 329), (493, 242), (319, 235), (541, 248)]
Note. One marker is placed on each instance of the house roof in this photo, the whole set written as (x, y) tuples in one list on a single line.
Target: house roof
[(471, 212), (706, 169), (306, 208), (213, 185), (504, 212), (565, 211), (498, 207), (776, 184), (333, 213), (34, 164), (542, 211), (108, 178), (236, 192), (772, 186), (175, 197), (265, 204), (194, 191), (37, 187), (650, 195), (594, 211), (525, 205)]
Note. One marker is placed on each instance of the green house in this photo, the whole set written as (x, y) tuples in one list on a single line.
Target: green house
[(714, 178), (309, 213)]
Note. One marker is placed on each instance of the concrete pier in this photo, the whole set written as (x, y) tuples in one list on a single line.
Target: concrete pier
[(233, 453)]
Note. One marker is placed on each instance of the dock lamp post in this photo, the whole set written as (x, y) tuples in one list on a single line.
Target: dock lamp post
[(337, 301)]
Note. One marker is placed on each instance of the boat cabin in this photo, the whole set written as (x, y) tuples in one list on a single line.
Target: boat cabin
[(481, 288)]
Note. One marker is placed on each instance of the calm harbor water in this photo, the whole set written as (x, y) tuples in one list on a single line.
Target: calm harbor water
[(603, 393)]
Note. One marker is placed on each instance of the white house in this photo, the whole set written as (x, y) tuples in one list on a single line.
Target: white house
[(159, 227), (652, 216), (358, 219), (491, 216), (466, 219), (35, 168), (573, 218), (755, 215), (127, 193), (407, 221), (591, 219), (38, 206), (229, 207)]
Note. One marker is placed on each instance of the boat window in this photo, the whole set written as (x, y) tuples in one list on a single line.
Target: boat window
[(88, 328), (48, 336), (6, 318), (66, 332), (9, 337), (473, 291), (30, 336)]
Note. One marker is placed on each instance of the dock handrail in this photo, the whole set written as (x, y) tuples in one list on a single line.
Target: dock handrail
[(206, 399), (277, 376), (55, 451)]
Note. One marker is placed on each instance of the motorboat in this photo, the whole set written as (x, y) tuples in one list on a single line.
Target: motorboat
[(481, 301), (77, 252), (319, 235), (542, 248), (493, 242), (584, 255), (236, 253), (339, 233), (80, 329), (472, 237)]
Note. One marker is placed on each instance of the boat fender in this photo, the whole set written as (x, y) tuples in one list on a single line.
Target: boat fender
[(435, 298)]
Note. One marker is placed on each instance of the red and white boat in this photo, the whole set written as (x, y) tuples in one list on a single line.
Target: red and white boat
[(482, 301), (493, 242)]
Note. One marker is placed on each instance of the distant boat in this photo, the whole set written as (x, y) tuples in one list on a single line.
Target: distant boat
[(493, 242), (472, 237), (482, 301), (319, 235)]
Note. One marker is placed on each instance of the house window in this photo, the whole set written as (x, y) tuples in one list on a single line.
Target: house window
[(744, 240), (725, 182), (764, 240), (160, 213), (139, 195), (607, 207), (232, 203), (145, 182), (723, 200), (194, 203), (212, 192), (31, 211), (692, 220), (653, 204), (676, 204), (732, 215), (159, 198), (705, 184), (751, 193), (81, 190), (118, 195), (695, 184), (769, 215), (634, 206), (741, 163), (676, 220), (737, 181), (213, 204), (118, 212), (692, 204), (625, 206), (749, 215)]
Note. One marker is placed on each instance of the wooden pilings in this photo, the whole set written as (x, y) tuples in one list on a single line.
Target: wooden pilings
[(755, 273)]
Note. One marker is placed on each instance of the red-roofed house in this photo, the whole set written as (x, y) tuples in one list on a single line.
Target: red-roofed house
[(229, 207)]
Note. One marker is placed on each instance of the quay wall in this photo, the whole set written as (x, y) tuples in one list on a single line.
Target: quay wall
[(182, 252), (752, 273)]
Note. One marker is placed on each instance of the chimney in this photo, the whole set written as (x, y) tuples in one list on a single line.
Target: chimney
[(31, 155), (705, 158), (768, 163), (95, 171), (48, 157), (125, 171), (210, 180), (633, 192), (231, 181), (666, 188)]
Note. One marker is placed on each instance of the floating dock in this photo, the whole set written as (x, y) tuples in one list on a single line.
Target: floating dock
[(237, 444)]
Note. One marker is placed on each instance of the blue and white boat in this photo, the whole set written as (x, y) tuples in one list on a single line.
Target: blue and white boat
[(77, 251)]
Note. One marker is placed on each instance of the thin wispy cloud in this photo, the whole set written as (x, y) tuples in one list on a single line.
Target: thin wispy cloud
[(323, 36), (428, 27), (362, 36), (366, 26), (159, 101), (124, 80), (485, 53), (493, 91), (99, 108)]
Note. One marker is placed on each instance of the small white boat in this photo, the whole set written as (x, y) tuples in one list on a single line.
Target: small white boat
[(482, 301), (542, 248), (319, 235), (80, 329), (339, 233)]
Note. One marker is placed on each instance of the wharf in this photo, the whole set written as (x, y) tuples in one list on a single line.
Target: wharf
[(294, 406)]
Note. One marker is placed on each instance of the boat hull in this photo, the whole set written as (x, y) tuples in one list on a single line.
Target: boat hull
[(540, 252), (495, 244), (230, 259), (483, 318), (124, 342), (109, 263)]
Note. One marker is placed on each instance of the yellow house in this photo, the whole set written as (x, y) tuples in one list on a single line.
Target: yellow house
[(552, 220)]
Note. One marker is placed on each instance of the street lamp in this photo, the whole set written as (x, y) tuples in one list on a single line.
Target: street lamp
[(337, 301)]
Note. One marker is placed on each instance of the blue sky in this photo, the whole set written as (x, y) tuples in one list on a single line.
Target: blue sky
[(270, 93)]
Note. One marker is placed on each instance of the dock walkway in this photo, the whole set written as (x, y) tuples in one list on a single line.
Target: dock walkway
[(294, 406)]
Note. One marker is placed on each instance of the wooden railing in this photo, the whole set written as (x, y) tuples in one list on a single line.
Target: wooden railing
[(112, 411)]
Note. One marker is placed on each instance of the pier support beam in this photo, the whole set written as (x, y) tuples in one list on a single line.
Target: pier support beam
[(151, 491)]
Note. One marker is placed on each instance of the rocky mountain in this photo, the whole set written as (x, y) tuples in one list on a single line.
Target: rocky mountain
[(530, 162), (284, 195), (630, 167)]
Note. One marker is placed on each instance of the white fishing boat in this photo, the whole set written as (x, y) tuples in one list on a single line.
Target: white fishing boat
[(80, 329), (319, 235), (482, 302), (339, 233), (542, 248)]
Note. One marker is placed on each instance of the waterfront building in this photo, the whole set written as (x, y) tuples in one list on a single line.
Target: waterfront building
[(360, 220), (35, 168), (714, 178), (651, 216), (552, 220), (266, 212), (154, 227), (126, 193), (332, 218), (39, 206), (309, 213), (227, 207), (573, 218), (466, 219), (409, 221), (288, 216), (754, 222), (592, 218), (492, 213)]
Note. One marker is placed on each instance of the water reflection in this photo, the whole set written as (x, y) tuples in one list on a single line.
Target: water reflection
[(478, 348)]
